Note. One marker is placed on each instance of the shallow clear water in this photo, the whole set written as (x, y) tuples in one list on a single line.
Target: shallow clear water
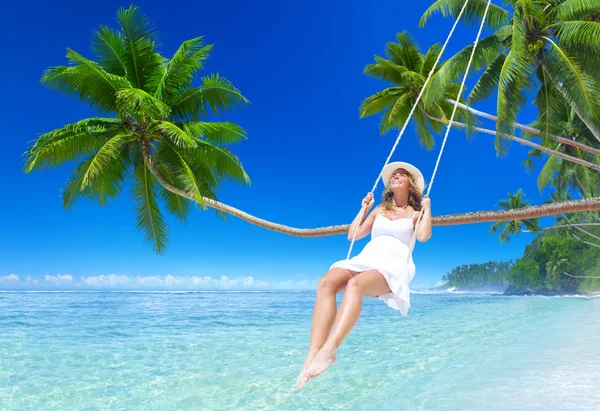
[(244, 350)]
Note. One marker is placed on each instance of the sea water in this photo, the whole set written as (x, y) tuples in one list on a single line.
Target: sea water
[(243, 351)]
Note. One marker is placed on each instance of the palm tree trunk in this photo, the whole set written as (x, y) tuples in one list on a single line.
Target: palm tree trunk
[(558, 139), (572, 206), (570, 225), (546, 150), (586, 242), (579, 276)]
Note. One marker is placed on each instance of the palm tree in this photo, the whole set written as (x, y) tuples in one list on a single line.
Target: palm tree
[(564, 175), (554, 268), (514, 201), (156, 134), (406, 69), (549, 45), (153, 133)]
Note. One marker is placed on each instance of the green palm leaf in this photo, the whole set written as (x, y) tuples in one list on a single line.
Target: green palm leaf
[(579, 88), (136, 103), (551, 167), (582, 35), (487, 83), (577, 9), (172, 132), (148, 216), (86, 79), (179, 72), (107, 154), (108, 44), (496, 17), (215, 132), (70, 142), (144, 65), (216, 92)]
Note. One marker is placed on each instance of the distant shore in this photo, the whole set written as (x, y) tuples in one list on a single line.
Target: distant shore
[(511, 290)]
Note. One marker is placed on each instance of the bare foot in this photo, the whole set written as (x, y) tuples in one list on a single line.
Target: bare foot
[(322, 361), (302, 377)]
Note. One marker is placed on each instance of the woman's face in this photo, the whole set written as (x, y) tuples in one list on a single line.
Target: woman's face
[(400, 179)]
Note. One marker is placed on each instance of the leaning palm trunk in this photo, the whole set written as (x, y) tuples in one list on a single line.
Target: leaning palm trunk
[(558, 139), (446, 220), (546, 150), (579, 276)]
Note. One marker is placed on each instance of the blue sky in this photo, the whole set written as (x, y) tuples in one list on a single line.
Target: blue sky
[(311, 159)]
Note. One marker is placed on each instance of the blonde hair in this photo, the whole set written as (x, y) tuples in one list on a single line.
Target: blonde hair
[(414, 195)]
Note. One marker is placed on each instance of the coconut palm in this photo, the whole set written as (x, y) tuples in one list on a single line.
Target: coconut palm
[(153, 133), (153, 129), (551, 47), (564, 175), (514, 201), (406, 69), (555, 267)]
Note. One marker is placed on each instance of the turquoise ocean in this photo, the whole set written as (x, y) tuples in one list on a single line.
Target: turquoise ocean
[(243, 351)]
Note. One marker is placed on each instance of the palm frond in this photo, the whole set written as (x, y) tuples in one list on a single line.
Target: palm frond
[(172, 132), (88, 80), (488, 81), (70, 142), (179, 72), (148, 216), (497, 16), (175, 159), (405, 52), (137, 103), (550, 168), (430, 58), (215, 132), (144, 65), (386, 70), (107, 154), (579, 88), (216, 92), (580, 35), (577, 10), (454, 68), (108, 44), (224, 162)]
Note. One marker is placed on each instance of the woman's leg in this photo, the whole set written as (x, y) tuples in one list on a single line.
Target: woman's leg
[(368, 283), (329, 285)]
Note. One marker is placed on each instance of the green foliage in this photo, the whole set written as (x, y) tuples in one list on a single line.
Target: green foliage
[(549, 47), (514, 227), (156, 110), (406, 69), (489, 275)]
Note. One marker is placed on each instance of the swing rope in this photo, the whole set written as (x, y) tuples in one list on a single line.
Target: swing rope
[(411, 113), (462, 85)]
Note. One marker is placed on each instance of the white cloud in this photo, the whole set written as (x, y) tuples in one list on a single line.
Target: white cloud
[(11, 278), (153, 282), (110, 280), (60, 278)]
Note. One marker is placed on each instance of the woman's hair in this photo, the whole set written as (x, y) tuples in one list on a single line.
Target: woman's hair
[(414, 196)]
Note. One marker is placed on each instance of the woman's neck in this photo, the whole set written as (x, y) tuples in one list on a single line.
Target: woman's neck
[(400, 199)]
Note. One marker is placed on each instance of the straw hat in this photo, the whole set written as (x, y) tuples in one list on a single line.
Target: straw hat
[(386, 174)]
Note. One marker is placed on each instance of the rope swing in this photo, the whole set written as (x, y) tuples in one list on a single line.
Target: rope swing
[(449, 125)]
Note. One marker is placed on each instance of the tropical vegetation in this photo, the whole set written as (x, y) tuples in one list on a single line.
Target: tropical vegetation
[(153, 130), (152, 133)]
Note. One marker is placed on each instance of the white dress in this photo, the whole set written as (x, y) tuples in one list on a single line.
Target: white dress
[(387, 252)]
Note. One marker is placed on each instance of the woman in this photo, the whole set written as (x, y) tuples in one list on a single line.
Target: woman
[(383, 269)]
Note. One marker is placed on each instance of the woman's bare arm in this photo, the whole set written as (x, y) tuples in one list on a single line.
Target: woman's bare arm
[(366, 225)]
